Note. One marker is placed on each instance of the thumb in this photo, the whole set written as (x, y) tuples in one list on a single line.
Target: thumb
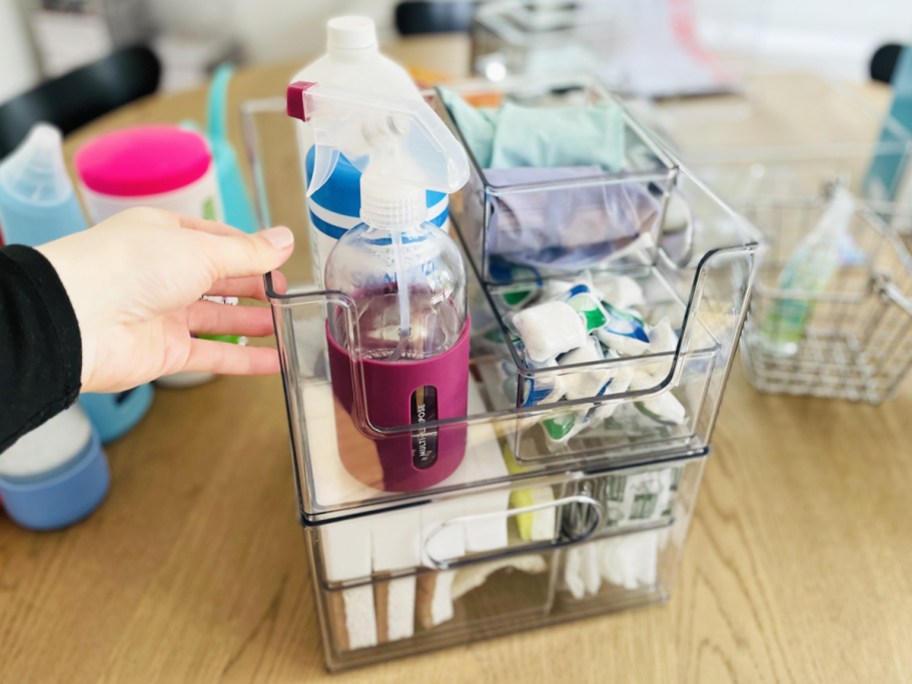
[(240, 254)]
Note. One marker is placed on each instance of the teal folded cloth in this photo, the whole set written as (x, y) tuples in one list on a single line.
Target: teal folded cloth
[(477, 125), (518, 136), (558, 136)]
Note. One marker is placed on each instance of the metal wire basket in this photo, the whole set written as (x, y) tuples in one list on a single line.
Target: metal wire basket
[(856, 341)]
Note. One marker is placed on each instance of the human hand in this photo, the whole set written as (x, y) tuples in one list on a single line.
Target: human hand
[(135, 282)]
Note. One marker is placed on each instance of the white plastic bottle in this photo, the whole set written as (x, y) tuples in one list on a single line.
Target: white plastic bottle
[(352, 61)]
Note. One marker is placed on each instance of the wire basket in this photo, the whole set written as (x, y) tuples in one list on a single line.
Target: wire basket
[(856, 341)]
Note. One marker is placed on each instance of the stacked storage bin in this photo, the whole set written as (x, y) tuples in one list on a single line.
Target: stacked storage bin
[(531, 529)]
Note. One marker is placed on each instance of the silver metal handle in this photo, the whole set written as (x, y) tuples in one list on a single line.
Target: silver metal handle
[(887, 289)]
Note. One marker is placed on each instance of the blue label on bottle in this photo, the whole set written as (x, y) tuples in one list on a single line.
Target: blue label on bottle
[(341, 195)]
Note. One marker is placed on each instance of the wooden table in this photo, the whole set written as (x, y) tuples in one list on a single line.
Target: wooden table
[(796, 569)]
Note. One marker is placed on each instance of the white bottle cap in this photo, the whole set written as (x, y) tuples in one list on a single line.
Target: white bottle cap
[(387, 203), (351, 33)]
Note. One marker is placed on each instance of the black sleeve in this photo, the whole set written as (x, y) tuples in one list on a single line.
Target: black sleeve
[(40, 344)]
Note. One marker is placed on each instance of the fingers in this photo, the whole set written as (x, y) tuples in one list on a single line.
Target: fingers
[(206, 226), (251, 287), (230, 359), (209, 318), (238, 254)]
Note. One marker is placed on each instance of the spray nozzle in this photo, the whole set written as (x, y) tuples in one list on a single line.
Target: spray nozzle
[(400, 139), (35, 171)]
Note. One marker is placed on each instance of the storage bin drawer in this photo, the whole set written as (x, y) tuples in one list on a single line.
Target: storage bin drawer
[(486, 563), (697, 281)]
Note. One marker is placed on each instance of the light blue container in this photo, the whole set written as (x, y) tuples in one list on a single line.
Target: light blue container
[(55, 475), (114, 414), (37, 205)]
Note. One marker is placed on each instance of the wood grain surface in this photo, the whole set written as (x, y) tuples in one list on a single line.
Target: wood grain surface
[(797, 568)]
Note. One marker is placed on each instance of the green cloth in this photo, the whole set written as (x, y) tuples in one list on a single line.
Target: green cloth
[(558, 136), (518, 136), (475, 124)]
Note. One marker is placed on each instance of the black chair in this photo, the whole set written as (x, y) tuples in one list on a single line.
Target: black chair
[(82, 95), (883, 63), (444, 16)]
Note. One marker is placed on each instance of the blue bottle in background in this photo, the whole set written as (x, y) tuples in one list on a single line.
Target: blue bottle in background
[(55, 475), (37, 205), (888, 174)]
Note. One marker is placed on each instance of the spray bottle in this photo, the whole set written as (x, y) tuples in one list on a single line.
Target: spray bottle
[(354, 61), (399, 354)]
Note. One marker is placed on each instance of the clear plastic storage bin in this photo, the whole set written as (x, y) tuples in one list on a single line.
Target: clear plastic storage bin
[(473, 566), (697, 280), (787, 135), (645, 47), (528, 39), (523, 533), (609, 217), (856, 342)]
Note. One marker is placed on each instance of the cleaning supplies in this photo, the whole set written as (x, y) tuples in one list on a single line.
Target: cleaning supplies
[(400, 356), (520, 136), (564, 227), (549, 329), (574, 327), (352, 61), (809, 270), (37, 204), (153, 166), (548, 195)]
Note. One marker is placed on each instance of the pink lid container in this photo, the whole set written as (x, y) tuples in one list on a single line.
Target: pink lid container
[(143, 160)]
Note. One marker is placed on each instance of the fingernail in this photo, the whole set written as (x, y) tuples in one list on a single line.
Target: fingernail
[(279, 237)]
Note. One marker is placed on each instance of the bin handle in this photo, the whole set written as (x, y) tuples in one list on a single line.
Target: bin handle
[(885, 287), (689, 240), (556, 542), (507, 552)]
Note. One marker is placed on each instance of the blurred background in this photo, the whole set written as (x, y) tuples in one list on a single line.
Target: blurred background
[(43, 38)]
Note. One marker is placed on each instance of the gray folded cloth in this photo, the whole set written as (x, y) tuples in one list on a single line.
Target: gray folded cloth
[(568, 227)]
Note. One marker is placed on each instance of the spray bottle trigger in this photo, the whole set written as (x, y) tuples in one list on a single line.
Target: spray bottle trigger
[(294, 99)]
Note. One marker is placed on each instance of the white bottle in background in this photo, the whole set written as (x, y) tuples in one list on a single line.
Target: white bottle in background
[(353, 61)]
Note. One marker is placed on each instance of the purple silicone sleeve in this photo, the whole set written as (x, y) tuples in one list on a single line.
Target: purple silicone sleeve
[(388, 389)]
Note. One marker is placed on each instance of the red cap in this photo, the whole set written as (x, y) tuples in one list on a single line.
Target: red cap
[(294, 99), (143, 160)]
